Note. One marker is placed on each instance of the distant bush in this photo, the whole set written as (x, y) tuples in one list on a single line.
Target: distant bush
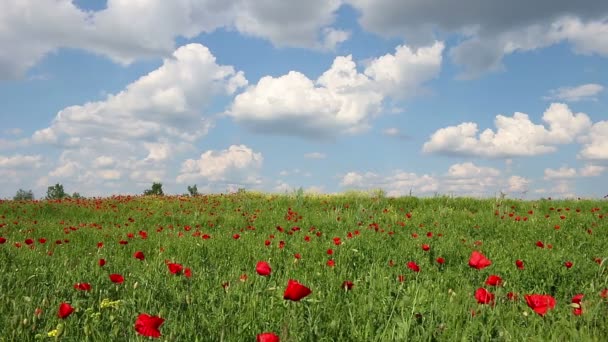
[(156, 190), (23, 195), (55, 192), (192, 190)]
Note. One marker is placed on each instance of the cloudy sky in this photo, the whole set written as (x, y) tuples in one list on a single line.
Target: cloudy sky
[(106, 97)]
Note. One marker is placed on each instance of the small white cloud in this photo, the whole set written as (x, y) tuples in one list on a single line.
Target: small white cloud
[(574, 94), (392, 132), (562, 172), (315, 155), (596, 142), (518, 184), (19, 161), (591, 170)]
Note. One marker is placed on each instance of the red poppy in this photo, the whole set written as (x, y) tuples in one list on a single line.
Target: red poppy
[(413, 266), (263, 268), (102, 262), (267, 337), (519, 264), (494, 280), (236, 236), (604, 293), (426, 247), (139, 255), (568, 264), (330, 251), (331, 263), (540, 303), (147, 325), (117, 278), (347, 285), (337, 241), (540, 244), (2, 240), (440, 261), (175, 268), (42, 240), (484, 296), (267, 243), (187, 272), (577, 305), (29, 241), (82, 286), (297, 256), (99, 244), (512, 296), (479, 261), (295, 291), (65, 310)]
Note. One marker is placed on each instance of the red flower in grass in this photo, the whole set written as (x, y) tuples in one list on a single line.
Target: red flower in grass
[(426, 247), (117, 278), (484, 296), (297, 256), (568, 264), (263, 268), (577, 305), (139, 255), (236, 236), (413, 266), (347, 285), (519, 264), (65, 310), (331, 263), (440, 261), (494, 280), (604, 293), (512, 296), (2, 240), (187, 272), (148, 326), (540, 244), (295, 291), (102, 262), (29, 241), (175, 268), (82, 286), (540, 303), (267, 337), (479, 261)]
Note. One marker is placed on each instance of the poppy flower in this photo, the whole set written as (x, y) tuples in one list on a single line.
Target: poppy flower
[(540, 244), (295, 291), (494, 280), (426, 247), (479, 261), (188, 272), (263, 268), (331, 263), (330, 251), (440, 261), (568, 264), (139, 255), (29, 241), (347, 285), (117, 278), (175, 268), (604, 293), (148, 326), (484, 296), (540, 303), (577, 305), (413, 266), (519, 264), (297, 256), (267, 337), (82, 286), (65, 310), (236, 236), (102, 262)]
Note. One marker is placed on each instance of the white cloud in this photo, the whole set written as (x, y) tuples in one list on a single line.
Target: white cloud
[(591, 170), (396, 184), (392, 132), (515, 136), (128, 30), (20, 161), (470, 170), (596, 143), (340, 101), (238, 164), (517, 184), (315, 155), (574, 94), (103, 161), (562, 172)]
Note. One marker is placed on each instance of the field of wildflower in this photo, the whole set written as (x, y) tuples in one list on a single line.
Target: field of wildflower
[(247, 267)]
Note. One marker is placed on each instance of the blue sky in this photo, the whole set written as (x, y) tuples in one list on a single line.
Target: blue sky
[(106, 97)]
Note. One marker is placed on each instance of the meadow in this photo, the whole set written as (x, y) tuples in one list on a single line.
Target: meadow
[(217, 268)]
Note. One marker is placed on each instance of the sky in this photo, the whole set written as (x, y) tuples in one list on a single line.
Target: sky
[(413, 97)]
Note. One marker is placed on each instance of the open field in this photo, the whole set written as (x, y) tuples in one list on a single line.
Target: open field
[(51, 251)]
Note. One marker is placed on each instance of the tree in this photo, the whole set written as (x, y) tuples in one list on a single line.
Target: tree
[(76, 195), (55, 192), (193, 190), (157, 189), (23, 195)]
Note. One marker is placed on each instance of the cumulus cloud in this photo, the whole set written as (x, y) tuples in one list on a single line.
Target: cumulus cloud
[(398, 183), (30, 32), (238, 164), (517, 184), (591, 170), (490, 30), (515, 136), (574, 94), (341, 101), (20, 161), (561, 173), (596, 143)]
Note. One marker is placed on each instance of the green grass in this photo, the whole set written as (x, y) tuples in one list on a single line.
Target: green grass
[(435, 304)]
